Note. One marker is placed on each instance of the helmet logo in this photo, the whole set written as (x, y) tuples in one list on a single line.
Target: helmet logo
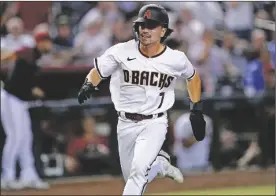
[(147, 14)]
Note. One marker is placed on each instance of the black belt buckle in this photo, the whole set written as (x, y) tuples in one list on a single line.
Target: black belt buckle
[(138, 117), (135, 117)]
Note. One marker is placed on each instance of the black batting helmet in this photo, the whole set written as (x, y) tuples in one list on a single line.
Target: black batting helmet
[(155, 13)]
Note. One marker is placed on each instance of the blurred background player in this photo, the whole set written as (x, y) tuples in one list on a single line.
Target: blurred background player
[(18, 89), (192, 156), (16, 39)]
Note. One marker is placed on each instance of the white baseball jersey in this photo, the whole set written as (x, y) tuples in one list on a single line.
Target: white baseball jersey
[(140, 84)]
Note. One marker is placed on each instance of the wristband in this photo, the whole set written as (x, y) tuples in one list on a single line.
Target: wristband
[(196, 106)]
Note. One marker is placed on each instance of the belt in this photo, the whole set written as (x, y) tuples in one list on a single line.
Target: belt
[(139, 117)]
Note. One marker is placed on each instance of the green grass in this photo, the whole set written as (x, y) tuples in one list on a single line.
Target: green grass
[(250, 190)]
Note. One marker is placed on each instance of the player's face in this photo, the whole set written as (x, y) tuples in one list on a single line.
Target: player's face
[(44, 46), (150, 32)]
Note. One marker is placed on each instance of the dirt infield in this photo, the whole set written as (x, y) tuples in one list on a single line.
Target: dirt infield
[(114, 186)]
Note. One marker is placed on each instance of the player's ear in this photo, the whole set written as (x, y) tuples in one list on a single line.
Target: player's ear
[(163, 32)]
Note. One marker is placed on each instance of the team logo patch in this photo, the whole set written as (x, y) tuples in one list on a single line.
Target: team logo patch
[(147, 14)]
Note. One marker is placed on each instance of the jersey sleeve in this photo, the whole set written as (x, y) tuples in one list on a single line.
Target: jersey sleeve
[(186, 69), (108, 62)]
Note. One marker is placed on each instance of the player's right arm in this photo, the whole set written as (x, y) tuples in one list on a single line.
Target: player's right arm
[(94, 77), (105, 65)]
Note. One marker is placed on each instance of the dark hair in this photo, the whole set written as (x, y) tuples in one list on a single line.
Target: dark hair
[(251, 54)]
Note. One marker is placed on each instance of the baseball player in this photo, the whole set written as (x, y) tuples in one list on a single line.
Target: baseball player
[(143, 77), (20, 88)]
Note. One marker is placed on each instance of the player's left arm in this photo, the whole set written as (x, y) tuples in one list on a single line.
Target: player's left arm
[(196, 105), (193, 80), (194, 87)]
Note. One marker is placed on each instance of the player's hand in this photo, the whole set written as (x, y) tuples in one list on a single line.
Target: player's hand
[(86, 91), (38, 92), (197, 121)]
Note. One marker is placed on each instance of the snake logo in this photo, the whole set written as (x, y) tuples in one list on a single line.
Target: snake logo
[(147, 14)]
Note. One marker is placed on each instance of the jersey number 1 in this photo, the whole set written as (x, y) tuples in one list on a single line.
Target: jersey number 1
[(162, 99)]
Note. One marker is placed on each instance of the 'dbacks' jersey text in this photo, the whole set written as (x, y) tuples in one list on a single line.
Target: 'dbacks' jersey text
[(140, 84)]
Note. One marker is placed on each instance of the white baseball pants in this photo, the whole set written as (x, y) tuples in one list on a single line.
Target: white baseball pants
[(19, 138), (139, 144)]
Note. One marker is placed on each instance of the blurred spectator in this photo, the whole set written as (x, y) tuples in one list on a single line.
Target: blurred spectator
[(129, 9), (187, 25), (264, 21), (209, 61), (267, 6), (240, 148), (229, 150), (7, 11), (265, 59), (258, 39), (259, 64), (199, 54), (16, 38), (239, 18), (171, 6), (44, 45), (260, 45), (192, 156), (92, 42), (93, 15), (208, 13), (118, 35), (40, 53), (109, 14), (234, 47), (272, 50), (45, 53), (64, 37), (262, 14), (254, 82), (88, 143), (75, 10), (234, 64), (251, 152)]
